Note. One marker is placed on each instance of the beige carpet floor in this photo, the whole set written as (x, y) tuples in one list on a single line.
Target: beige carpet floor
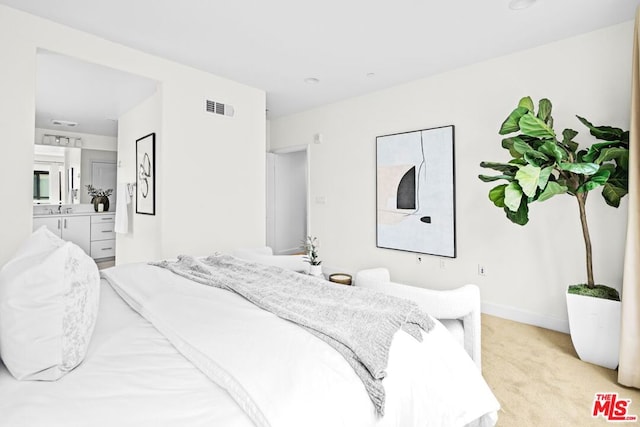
[(539, 380)]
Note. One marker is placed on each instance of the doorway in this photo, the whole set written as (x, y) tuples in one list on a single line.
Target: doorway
[(287, 200)]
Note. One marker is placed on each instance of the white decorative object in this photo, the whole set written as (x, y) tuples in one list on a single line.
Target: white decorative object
[(595, 329), (49, 295), (315, 270), (457, 309), (100, 207)]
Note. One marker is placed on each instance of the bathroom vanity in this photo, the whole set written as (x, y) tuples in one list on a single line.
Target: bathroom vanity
[(93, 232)]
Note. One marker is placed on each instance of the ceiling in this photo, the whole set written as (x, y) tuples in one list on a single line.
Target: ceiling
[(91, 95), (351, 46)]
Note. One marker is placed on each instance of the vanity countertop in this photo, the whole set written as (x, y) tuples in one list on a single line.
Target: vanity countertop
[(55, 215)]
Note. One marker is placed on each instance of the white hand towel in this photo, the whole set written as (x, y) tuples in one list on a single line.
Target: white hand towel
[(122, 211)]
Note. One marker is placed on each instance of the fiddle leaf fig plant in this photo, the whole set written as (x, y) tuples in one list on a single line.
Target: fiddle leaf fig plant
[(544, 164)]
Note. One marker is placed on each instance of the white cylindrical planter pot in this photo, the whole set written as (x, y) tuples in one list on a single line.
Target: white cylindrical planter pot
[(315, 270), (595, 329)]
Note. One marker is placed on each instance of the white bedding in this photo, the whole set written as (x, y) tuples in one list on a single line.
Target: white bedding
[(131, 376), (276, 372)]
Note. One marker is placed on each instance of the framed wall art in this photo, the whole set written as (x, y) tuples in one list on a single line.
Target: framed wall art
[(415, 192), (146, 175)]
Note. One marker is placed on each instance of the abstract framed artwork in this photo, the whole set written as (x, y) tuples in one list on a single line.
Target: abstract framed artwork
[(415, 192), (146, 175)]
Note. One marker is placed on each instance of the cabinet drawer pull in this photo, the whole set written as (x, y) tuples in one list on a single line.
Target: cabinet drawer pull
[(106, 219), (107, 231), (65, 223), (58, 224), (106, 249)]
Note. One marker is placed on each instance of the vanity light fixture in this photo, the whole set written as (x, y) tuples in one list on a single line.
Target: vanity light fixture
[(61, 140), (521, 4)]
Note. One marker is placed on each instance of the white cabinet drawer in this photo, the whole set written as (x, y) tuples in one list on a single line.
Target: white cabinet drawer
[(103, 249), (106, 218), (100, 231)]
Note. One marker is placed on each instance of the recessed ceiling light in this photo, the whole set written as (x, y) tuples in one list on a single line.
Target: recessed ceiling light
[(521, 4), (312, 80)]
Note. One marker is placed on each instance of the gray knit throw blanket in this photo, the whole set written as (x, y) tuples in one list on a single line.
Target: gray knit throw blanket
[(359, 323)]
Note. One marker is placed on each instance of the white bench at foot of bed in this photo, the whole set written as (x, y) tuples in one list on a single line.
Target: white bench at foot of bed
[(458, 309)]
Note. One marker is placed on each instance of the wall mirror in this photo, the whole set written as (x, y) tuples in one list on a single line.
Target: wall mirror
[(56, 175)]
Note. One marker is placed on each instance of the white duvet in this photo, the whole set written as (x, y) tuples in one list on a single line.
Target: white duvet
[(254, 369)]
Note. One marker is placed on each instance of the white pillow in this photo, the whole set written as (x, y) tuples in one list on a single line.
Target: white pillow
[(49, 295)]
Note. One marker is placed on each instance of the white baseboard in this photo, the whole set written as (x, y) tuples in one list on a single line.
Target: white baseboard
[(527, 317)]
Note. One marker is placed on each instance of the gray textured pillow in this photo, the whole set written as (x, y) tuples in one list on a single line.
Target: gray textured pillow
[(49, 297)]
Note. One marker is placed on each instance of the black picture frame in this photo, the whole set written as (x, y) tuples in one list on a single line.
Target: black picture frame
[(146, 175)]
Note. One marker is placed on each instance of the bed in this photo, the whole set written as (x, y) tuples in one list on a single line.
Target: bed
[(168, 351)]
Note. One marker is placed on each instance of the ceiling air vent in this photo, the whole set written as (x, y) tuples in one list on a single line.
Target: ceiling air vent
[(219, 108), (57, 122)]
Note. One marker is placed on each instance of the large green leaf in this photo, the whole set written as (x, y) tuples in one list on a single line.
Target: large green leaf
[(501, 167), (527, 103), (580, 168), (496, 195), (606, 133), (534, 158), (552, 189), (521, 146), (528, 177), (545, 174), (512, 196), (544, 109), (530, 155), (532, 126), (567, 139), (616, 187), (508, 144), (596, 180), (487, 178), (595, 149), (612, 194), (621, 155), (551, 149), (511, 124), (521, 216)]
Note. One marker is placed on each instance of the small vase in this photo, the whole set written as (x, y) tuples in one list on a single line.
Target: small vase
[(315, 270), (104, 200)]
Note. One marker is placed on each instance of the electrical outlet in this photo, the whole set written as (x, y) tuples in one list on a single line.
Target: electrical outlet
[(482, 271), (442, 264)]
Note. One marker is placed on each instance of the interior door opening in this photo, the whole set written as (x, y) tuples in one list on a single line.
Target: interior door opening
[(287, 200)]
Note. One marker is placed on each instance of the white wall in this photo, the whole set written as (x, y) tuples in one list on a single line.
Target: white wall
[(527, 268), (208, 164), (144, 240)]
